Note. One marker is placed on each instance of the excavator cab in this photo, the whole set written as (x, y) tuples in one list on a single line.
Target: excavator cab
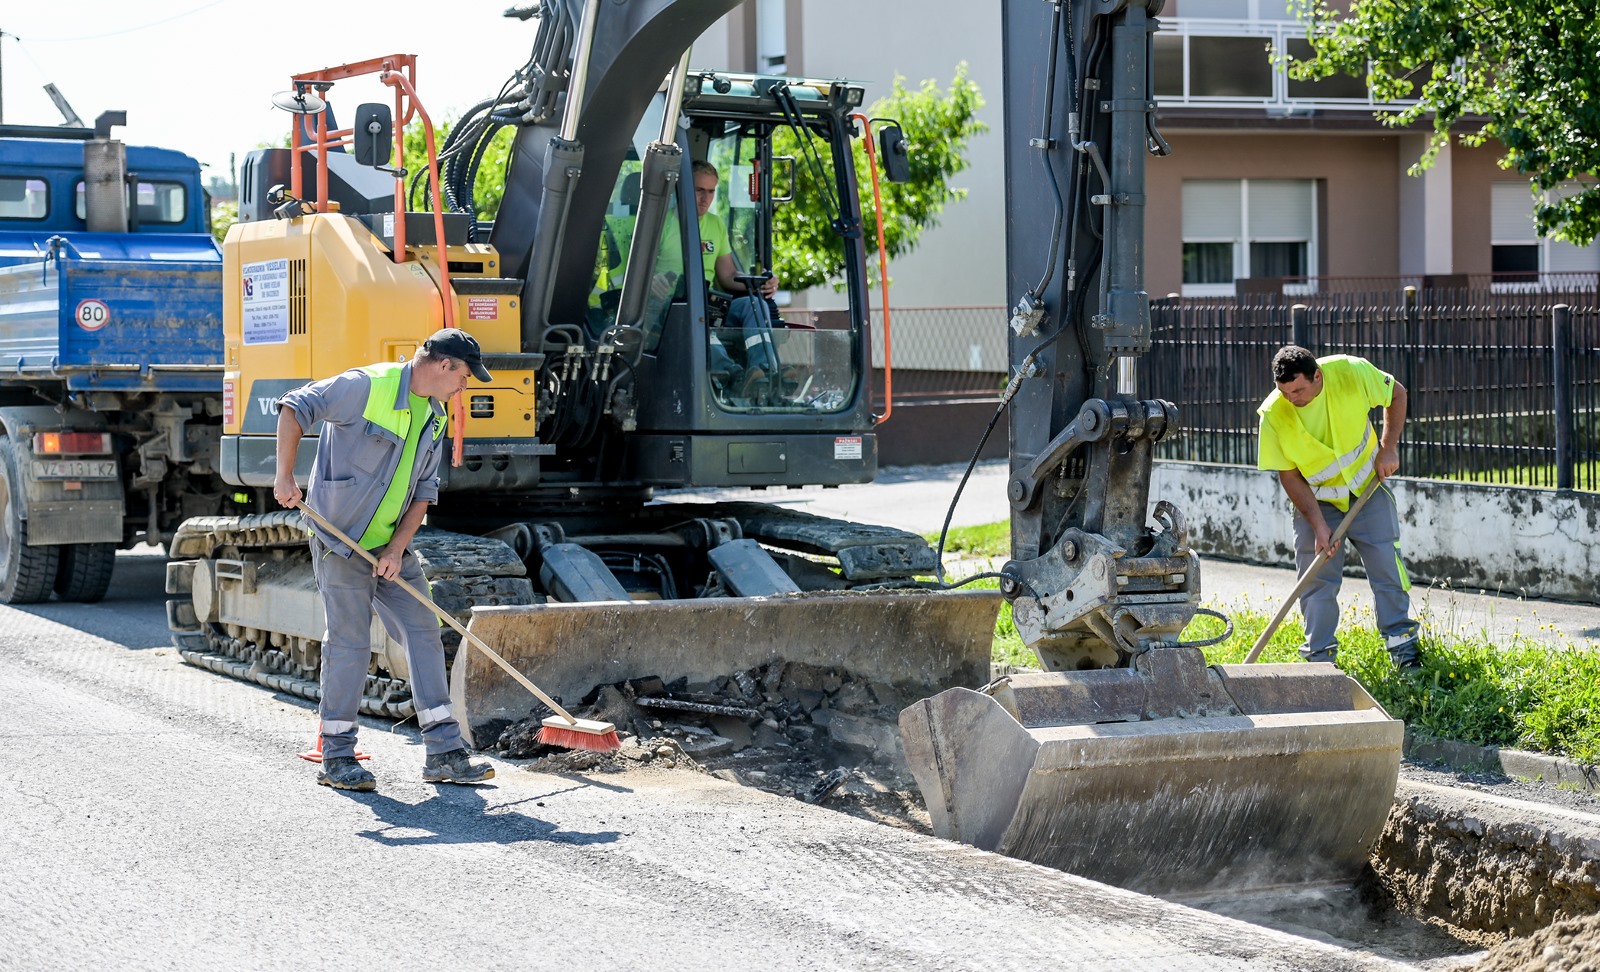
[(708, 331)]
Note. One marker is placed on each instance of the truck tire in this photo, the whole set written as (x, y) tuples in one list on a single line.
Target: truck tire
[(85, 571), (27, 574)]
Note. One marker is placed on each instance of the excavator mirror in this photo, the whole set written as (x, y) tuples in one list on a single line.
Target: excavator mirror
[(373, 134), (892, 149)]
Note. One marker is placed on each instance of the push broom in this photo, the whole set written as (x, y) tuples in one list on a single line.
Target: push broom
[(563, 729)]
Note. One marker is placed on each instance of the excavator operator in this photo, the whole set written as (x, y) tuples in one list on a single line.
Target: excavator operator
[(744, 312)]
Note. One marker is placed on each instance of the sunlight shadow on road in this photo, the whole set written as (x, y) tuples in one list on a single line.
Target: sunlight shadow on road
[(462, 816)]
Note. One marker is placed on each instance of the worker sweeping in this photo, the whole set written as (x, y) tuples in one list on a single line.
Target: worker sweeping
[(1315, 433), (376, 471)]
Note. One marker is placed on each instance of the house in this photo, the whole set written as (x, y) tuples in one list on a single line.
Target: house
[(1269, 177)]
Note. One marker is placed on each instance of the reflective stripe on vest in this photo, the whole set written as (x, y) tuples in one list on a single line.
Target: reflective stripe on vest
[(1335, 476)]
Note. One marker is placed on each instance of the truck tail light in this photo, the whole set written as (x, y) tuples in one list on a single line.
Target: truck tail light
[(72, 443)]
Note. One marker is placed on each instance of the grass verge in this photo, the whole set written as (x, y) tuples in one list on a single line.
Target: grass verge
[(1529, 694)]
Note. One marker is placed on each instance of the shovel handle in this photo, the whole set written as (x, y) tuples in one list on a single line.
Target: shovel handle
[(1305, 578), (444, 616)]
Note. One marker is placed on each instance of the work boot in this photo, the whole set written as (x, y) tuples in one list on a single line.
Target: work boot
[(456, 766), (344, 773)]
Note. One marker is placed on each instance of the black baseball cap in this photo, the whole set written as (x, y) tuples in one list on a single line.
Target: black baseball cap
[(456, 343)]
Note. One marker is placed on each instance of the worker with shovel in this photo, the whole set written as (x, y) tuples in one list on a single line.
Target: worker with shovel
[(376, 471), (1315, 433)]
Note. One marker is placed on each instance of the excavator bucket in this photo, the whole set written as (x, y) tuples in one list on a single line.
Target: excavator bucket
[(1169, 778), (912, 642)]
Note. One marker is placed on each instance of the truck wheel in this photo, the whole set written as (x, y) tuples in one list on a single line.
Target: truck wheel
[(27, 574), (85, 571)]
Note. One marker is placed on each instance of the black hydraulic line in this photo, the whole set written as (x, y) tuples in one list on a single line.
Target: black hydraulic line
[(796, 121), (1045, 143)]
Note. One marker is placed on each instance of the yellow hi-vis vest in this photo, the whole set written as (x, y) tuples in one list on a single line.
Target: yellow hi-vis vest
[(1334, 475), (406, 425)]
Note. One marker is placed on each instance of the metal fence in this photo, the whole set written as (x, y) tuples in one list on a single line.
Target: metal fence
[(1503, 388)]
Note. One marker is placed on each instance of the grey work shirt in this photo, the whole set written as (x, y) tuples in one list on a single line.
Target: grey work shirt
[(356, 459)]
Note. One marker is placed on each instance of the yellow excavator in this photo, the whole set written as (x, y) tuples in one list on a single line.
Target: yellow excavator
[(619, 371)]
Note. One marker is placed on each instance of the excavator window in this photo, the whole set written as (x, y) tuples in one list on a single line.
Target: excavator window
[(616, 244), (758, 358)]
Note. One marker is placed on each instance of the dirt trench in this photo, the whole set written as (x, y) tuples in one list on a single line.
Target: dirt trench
[(1488, 868)]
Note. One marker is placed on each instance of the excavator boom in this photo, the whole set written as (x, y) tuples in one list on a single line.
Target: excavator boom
[(1128, 759)]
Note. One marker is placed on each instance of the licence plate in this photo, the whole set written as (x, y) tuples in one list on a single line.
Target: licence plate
[(74, 469)]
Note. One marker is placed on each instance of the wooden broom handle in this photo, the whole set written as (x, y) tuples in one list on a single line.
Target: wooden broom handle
[(1305, 578), (443, 615)]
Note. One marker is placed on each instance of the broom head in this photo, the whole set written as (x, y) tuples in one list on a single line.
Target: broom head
[(585, 734)]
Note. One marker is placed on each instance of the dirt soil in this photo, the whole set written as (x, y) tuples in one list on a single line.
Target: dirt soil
[(820, 735), (1572, 945)]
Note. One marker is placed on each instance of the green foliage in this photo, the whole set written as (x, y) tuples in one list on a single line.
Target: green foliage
[(489, 186), (223, 215), (1532, 695), (1520, 71), (984, 540), (938, 126)]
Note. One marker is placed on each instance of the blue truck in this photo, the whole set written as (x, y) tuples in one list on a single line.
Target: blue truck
[(111, 392)]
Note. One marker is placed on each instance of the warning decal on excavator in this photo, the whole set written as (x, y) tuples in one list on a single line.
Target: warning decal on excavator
[(847, 447), (483, 309), (265, 307)]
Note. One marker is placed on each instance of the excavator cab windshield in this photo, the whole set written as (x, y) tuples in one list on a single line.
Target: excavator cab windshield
[(760, 356)]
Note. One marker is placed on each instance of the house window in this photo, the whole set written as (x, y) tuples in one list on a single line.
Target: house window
[(1234, 9), (1235, 228), (1518, 256), (772, 36)]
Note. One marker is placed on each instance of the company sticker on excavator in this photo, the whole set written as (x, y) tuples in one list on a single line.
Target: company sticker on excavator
[(847, 447), (265, 302)]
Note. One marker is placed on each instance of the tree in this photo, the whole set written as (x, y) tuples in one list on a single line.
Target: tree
[(806, 249), (489, 183), (223, 215), (1519, 71)]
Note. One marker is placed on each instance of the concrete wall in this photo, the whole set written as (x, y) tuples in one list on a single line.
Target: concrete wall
[(1534, 542)]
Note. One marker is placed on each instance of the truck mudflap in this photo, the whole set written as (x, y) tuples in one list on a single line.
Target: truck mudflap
[(1167, 778), (915, 641)]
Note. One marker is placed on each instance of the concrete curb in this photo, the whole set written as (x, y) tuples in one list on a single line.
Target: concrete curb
[(1511, 762)]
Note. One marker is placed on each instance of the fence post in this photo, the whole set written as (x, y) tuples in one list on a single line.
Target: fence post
[(1561, 379), (1300, 326), (1413, 335)]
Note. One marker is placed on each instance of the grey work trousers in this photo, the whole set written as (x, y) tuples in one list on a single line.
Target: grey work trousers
[(1376, 535), (350, 596)]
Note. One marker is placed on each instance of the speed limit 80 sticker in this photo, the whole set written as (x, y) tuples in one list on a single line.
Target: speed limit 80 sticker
[(92, 315)]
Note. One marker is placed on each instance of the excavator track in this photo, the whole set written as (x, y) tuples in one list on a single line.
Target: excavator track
[(462, 571)]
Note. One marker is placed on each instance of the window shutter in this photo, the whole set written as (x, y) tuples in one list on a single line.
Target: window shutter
[(1280, 209), (1211, 209), (1563, 256), (1511, 213)]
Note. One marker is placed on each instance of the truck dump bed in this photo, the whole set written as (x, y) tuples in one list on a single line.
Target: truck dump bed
[(153, 323)]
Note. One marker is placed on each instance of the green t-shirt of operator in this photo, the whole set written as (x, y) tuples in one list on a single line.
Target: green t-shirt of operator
[(713, 243)]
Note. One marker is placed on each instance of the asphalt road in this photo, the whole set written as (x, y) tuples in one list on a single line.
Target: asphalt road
[(918, 499), (154, 816)]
